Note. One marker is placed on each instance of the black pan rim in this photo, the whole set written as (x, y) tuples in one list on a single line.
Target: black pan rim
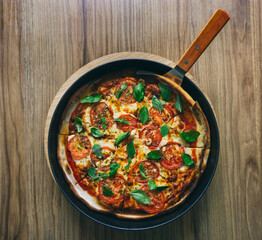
[(128, 221)]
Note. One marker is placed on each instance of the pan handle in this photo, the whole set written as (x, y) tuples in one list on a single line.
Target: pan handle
[(198, 46)]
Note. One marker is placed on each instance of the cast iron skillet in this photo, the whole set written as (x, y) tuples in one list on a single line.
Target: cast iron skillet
[(109, 219)]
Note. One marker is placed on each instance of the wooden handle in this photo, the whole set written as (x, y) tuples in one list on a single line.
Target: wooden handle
[(204, 38)]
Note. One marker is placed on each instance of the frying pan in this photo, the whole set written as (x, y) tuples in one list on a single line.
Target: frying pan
[(144, 66)]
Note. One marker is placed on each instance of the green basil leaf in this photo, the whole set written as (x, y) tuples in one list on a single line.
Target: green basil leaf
[(92, 173), (78, 124), (139, 92), (187, 159), (143, 114), (122, 137), (161, 188), (129, 162), (140, 196), (97, 150), (151, 184), (107, 192), (142, 170), (157, 103), (96, 132), (104, 175), (164, 130), (190, 136), (122, 120), (179, 103), (122, 88), (103, 122), (93, 98), (165, 91), (155, 155), (113, 169), (131, 149)]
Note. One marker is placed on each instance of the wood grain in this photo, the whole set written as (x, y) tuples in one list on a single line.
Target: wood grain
[(43, 42)]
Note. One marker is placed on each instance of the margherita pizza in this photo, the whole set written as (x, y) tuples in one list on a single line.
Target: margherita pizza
[(133, 147)]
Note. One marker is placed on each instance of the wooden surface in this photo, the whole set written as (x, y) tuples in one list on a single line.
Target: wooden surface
[(44, 42)]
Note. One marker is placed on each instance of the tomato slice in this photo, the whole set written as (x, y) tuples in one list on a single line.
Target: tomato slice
[(171, 156), (106, 152), (132, 123), (88, 185), (127, 95), (106, 87), (152, 89), (157, 200), (79, 146), (151, 171), (152, 136), (98, 111), (78, 112), (164, 117), (116, 185)]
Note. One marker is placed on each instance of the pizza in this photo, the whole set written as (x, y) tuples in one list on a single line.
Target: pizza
[(131, 146)]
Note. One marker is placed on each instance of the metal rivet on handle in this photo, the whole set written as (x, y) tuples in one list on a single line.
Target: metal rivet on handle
[(186, 62), (197, 48)]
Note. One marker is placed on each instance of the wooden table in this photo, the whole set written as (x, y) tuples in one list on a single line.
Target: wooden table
[(43, 42)]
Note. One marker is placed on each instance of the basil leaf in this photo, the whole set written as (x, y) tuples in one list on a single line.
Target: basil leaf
[(187, 159), (179, 103), (155, 155), (161, 188), (92, 173), (164, 130), (190, 136), (140, 196), (122, 88), (151, 184), (96, 132), (93, 98), (129, 162), (142, 170), (103, 122), (131, 149), (139, 92), (143, 114), (157, 103), (165, 91), (107, 192), (122, 120), (78, 124), (122, 137), (113, 169), (97, 150), (104, 175)]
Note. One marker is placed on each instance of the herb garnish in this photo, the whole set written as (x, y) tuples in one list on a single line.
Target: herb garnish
[(187, 159), (140, 196), (122, 88), (139, 92), (93, 98), (164, 130), (122, 120), (155, 155), (78, 124), (190, 136), (96, 132), (143, 114), (157, 103), (165, 91)]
